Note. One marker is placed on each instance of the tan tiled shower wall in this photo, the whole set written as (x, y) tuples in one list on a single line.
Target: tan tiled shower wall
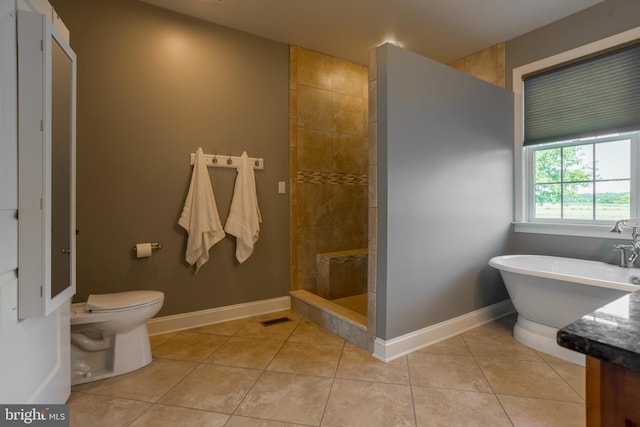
[(329, 161), (487, 64)]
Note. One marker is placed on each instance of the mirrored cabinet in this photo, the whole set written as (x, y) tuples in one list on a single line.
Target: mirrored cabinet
[(46, 166)]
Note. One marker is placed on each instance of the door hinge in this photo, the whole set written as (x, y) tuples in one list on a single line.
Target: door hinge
[(41, 293), (42, 45), (41, 126)]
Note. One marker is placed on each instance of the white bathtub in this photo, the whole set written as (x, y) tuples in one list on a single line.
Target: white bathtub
[(550, 292)]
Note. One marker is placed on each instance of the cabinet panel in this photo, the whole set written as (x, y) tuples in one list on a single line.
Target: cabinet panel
[(611, 395)]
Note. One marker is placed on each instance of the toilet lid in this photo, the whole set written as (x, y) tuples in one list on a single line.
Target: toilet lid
[(120, 300)]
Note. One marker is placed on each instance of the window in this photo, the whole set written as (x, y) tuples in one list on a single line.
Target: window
[(577, 128), (582, 181)]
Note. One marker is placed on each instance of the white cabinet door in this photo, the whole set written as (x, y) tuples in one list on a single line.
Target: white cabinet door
[(46, 167)]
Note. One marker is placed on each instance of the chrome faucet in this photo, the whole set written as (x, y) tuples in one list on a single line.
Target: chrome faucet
[(633, 249)]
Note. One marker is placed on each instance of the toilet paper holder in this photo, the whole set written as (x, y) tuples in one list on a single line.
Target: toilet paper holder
[(154, 247)]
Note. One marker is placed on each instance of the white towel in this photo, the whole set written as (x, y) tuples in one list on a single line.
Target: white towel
[(200, 215), (244, 215)]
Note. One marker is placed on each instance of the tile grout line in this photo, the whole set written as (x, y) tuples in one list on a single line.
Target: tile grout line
[(548, 364), (495, 395), (264, 370), (567, 382), (333, 381), (413, 399), (197, 364)]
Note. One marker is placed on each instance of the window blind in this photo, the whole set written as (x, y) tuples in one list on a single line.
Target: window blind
[(599, 95)]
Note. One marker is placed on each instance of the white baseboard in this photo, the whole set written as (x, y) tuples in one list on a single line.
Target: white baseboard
[(398, 347), (194, 319)]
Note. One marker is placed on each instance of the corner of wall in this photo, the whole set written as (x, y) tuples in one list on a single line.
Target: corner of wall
[(372, 278)]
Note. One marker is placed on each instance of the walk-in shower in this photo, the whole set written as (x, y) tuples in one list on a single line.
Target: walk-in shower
[(329, 189)]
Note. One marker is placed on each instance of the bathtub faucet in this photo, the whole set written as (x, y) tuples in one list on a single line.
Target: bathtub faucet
[(633, 249), (627, 261)]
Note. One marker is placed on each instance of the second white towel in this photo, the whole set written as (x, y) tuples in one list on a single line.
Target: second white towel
[(244, 217)]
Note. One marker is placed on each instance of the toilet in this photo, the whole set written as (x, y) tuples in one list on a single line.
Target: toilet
[(109, 334)]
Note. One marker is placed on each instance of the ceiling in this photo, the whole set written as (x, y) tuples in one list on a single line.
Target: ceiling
[(443, 30)]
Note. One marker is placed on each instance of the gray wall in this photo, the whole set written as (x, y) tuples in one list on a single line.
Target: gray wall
[(152, 87), (445, 150), (600, 21)]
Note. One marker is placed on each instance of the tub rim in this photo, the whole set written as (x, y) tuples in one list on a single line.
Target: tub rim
[(498, 262)]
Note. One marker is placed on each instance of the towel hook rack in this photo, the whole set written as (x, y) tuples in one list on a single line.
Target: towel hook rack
[(211, 160)]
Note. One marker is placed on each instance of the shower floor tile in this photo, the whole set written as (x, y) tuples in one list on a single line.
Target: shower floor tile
[(357, 303)]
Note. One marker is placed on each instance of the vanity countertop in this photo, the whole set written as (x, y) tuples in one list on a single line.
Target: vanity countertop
[(611, 333)]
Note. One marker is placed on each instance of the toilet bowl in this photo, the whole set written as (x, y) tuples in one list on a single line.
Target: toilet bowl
[(109, 334)]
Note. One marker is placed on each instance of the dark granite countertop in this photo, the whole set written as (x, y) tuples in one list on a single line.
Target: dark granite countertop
[(611, 333)]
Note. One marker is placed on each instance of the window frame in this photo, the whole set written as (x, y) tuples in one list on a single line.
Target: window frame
[(522, 222)]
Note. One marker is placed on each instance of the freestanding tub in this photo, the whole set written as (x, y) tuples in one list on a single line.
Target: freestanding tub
[(550, 292)]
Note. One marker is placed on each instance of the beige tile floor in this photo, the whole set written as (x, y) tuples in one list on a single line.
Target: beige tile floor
[(241, 373)]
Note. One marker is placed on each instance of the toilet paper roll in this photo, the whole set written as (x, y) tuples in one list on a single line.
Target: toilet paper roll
[(143, 250)]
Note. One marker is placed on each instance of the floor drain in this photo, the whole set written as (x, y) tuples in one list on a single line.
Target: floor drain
[(275, 321), (634, 280)]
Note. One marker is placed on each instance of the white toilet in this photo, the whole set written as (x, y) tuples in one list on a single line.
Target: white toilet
[(109, 334)]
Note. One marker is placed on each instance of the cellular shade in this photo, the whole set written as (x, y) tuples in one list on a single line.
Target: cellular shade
[(599, 95)]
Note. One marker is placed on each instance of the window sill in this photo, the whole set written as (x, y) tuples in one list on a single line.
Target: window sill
[(602, 231)]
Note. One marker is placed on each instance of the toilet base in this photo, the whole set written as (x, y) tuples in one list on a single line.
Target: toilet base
[(130, 351)]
